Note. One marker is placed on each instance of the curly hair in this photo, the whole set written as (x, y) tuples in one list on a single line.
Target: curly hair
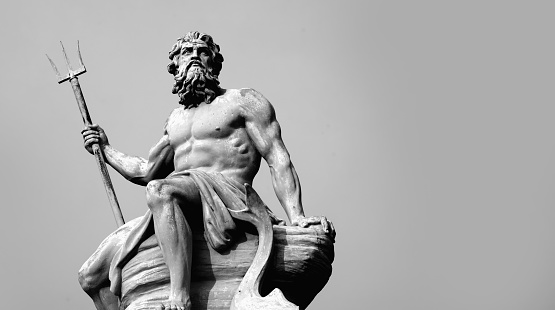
[(191, 37)]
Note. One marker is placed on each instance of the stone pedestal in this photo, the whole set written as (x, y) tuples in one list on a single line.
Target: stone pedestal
[(300, 266)]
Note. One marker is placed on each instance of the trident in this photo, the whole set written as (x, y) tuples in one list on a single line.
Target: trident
[(98, 154)]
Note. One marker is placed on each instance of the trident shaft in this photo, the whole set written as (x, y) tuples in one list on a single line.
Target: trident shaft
[(98, 154)]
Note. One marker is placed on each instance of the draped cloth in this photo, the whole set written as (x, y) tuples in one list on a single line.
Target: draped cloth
[(218, 194)]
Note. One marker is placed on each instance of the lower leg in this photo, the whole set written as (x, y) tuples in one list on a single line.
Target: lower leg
[(175, 239)]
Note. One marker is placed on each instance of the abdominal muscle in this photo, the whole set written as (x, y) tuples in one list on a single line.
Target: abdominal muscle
[(213, 138), (232, 157)]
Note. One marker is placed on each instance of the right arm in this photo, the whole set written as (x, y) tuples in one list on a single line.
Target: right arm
[(135, 169)]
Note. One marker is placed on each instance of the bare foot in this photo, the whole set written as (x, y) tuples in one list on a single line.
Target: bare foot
[(173, 304)]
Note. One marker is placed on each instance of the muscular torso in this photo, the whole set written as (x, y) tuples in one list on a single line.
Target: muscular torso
[(213, 137)]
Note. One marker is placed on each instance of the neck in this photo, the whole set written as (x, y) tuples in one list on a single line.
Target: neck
[(193, 99)]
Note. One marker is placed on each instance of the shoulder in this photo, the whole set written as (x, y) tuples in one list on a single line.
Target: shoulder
[(252, 102), (177, 111), (251, 95)]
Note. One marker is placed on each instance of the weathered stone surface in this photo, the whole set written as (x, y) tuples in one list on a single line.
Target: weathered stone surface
[(300, 266)]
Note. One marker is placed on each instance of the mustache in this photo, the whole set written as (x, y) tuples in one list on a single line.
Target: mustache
[(194, 62)]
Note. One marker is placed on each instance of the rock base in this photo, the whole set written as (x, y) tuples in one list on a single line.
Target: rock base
[(300, 266)]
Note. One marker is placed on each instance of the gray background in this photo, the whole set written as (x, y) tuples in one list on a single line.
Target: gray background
[(423, 129)]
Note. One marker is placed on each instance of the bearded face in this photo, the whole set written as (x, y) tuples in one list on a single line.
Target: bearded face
[(194, 81)]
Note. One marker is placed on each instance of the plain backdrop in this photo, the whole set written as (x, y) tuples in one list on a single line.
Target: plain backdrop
[(422, 129)]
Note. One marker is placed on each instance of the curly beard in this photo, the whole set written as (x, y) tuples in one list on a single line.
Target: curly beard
[(195, 85)]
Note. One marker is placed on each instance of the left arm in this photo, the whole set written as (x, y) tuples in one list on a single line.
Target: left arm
[(265, 132)]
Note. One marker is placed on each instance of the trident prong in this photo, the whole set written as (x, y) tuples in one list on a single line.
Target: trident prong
[(79, 54), (65, 56), (54, 67), (98, 153), (71, 73)]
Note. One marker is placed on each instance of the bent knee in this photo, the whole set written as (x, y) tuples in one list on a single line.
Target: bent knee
[(157, 192), (161, 192)]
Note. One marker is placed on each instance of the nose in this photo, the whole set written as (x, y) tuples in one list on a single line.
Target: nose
[(194, 54)]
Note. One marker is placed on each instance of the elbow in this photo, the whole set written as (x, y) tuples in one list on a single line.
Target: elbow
[(145, 174), (144, 179), (281, 164), (285, 163), (140, 178)]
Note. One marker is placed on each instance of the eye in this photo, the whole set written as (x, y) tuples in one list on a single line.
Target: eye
[(203, 51), (188, 50)]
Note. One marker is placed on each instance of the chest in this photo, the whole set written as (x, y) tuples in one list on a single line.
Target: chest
[(212, 121)]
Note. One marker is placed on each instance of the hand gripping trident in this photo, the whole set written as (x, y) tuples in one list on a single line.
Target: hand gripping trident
[(98, 154)]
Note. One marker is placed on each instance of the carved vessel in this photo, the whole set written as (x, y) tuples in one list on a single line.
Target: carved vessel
[(300, 266)]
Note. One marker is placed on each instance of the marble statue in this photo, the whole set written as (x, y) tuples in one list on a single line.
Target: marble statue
[(198, 178)]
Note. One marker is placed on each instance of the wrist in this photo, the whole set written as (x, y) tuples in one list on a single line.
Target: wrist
[(106, 147)]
